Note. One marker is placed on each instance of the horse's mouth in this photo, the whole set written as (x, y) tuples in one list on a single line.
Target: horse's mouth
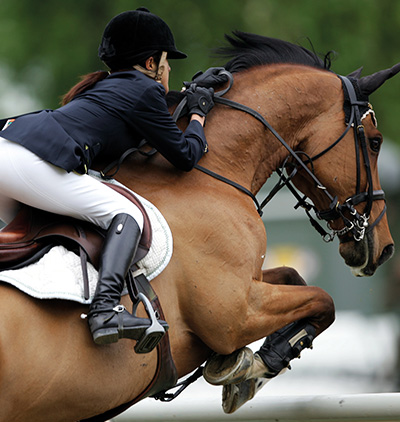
[(360, 256)]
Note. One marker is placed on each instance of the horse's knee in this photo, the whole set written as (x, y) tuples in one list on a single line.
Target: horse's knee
[(328, 305), (324, 310), (292, 277), (283, 275)]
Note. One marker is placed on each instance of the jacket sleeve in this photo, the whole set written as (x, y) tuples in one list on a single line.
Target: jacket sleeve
[(153, 121)]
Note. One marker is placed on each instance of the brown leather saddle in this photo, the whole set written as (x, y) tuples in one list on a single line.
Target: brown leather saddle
[(34, 232)]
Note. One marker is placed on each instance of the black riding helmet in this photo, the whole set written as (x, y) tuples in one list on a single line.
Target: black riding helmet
[(133, 36)]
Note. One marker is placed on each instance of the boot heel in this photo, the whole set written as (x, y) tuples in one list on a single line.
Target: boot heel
[(106, 336)]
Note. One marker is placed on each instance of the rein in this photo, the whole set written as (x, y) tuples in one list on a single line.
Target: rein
[(357, 224)]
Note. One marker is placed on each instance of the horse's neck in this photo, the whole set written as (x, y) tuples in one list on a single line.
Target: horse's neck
[(291, 98), (240, 146)]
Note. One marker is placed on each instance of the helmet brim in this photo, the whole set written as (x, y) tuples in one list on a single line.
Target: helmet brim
[(176, 54)]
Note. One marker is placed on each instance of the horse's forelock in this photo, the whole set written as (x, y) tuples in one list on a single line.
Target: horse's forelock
[(247, 50)]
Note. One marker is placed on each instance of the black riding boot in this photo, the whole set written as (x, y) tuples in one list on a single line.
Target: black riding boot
[(284, 345), (108, 320)]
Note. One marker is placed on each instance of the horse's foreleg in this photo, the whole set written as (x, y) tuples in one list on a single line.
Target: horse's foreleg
[(296, 315), (293, 316), (290, 315), (322, 314), (277, 305), (258, 308), (287, 343)]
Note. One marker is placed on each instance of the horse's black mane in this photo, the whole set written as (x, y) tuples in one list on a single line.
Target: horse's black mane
[(247, 50)]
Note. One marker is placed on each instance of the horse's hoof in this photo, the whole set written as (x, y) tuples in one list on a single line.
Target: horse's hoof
[(236, 395), (229, 369)]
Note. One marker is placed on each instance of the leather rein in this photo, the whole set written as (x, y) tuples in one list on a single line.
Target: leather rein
[(357, 224)]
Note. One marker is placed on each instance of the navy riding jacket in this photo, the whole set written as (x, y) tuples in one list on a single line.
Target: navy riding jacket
[(105, 121)]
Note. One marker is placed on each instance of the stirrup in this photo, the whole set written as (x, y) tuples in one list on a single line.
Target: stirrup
[(153, 334)]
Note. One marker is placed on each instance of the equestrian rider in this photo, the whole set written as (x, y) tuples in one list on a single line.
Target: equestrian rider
[(45, 156)]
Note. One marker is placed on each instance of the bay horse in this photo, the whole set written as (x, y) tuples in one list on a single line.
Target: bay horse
[(214, 293)]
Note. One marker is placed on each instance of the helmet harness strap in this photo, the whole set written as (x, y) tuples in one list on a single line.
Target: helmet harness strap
[(154, 74)]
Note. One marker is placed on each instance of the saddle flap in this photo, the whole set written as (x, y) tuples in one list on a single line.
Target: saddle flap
[(20, 230)]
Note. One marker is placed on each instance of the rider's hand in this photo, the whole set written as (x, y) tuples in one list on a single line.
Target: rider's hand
[(210, 78), (199, 100)]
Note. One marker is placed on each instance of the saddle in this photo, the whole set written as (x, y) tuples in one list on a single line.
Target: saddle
[(34, 232)]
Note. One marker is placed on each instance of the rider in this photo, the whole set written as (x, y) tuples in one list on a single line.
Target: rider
[(45, 156)]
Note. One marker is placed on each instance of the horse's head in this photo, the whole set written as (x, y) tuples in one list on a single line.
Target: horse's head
[(348, 194), (329, 142)]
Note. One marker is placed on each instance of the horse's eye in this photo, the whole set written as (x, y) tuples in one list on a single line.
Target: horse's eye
[(375, 144)]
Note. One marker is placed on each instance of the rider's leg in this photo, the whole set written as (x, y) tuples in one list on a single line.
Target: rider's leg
[(26, 178), (108, 320)]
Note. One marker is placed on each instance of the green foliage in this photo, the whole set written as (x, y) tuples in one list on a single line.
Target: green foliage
[(47, 44)]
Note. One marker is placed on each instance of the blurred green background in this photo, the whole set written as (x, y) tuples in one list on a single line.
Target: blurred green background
[(46, 45)]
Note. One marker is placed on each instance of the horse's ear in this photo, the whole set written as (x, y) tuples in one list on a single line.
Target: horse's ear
[(369, 84), (356, 74)]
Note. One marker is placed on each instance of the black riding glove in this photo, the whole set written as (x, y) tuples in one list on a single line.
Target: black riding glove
[(210, 78), (199, 100)]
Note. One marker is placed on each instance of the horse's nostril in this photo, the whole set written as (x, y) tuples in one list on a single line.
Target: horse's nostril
[(387, 253)]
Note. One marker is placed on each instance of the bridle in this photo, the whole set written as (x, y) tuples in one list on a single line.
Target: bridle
[(356, 224)]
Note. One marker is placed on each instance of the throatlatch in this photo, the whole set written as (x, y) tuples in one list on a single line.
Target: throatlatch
[(284, 345)]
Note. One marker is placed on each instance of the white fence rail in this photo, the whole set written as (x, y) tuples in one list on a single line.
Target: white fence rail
[(318, 408)]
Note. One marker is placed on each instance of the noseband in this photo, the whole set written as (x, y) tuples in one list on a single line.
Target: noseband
[(355, 223)]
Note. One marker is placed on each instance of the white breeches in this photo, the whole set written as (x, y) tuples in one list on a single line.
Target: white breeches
[(26, 178)]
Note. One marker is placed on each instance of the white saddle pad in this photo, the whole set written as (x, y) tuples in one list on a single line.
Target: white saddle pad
[(58, 274)]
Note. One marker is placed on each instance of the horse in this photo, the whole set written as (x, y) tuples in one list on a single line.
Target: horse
[(214, 293)]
